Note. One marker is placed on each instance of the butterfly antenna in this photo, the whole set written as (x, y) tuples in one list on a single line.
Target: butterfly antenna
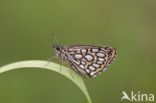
[(48, 42), (54, 36)]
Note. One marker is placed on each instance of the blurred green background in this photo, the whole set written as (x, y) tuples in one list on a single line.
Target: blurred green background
[(127, 25)]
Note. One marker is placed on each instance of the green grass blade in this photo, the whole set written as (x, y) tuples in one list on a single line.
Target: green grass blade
[(51, 66)]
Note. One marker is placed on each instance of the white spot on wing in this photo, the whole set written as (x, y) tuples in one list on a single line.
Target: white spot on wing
[(91, 68), (92, 73), (101, 59), (88, 70), (78, 56), (95, 50), (99, 62), (84, 63), (100, 54), (96, 65), (82, 66), (89, 57), (83, 51)]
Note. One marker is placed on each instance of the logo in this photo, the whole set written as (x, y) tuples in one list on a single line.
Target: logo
[(138, 96)]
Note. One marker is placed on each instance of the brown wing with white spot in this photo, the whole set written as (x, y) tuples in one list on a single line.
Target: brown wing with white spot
[(78, 68), (111, 52), (90, 60), (105, 56)]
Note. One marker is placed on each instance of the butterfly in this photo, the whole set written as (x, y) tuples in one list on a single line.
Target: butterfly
[(86, 60)]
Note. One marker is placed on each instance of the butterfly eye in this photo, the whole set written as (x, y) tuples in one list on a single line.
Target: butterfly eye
[(57, 47)]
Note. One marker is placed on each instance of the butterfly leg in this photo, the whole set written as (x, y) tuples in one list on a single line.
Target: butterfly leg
[(49, 60), (61, 61), (71, 73)]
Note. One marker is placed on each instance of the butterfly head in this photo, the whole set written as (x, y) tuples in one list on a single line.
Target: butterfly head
[(58, 48), (60, 51)]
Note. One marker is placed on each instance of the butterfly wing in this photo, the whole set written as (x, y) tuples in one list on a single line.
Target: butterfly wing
[(90, 60), (75, 65)]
